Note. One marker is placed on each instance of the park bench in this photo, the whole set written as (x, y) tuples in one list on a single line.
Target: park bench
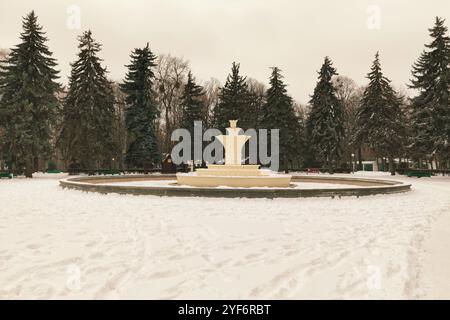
[(312, 170), (5, 174), (53, 171), (109, 172), (418, 173)]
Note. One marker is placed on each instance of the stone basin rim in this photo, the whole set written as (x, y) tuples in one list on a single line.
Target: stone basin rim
[(357, 187)]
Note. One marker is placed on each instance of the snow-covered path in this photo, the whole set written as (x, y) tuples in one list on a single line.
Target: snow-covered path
[(58, 243)]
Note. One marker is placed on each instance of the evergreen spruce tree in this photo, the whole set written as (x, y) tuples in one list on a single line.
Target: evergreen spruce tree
[(141, 110), (257, 97), (380, 123), (278, 113), (431, 107), (233, 101), (325, 125), (88, 115), (192, 106), (29, 103)]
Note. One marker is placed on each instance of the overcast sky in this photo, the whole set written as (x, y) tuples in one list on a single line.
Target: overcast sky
[(211, 34)]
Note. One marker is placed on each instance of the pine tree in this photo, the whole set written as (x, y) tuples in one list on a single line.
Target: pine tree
[(431, 107), (233, 101), (141, 110), (257, 99), (379, 119), (88, 125), (278, 113), (193, 107), (325, 125), (29, 104), (192, 104)]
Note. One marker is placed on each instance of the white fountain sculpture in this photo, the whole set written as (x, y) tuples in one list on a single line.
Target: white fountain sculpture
[(233, 173)]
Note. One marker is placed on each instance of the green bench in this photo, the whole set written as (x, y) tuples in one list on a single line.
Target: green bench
[(418, 174), (6, 175), (53, 171), (109, 172)]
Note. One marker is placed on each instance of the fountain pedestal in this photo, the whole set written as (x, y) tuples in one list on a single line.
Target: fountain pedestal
[(233, 173)]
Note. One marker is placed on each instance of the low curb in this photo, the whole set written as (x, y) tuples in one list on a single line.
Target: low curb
[(358, 187)]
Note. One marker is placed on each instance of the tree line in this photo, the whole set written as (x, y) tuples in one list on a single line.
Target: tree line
[(95, 123)]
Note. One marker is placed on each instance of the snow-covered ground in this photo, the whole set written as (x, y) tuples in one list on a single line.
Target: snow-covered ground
[(57, 243)]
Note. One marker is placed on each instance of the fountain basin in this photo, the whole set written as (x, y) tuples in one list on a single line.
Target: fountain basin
[(355, 187), (244, 181), (233, 175)]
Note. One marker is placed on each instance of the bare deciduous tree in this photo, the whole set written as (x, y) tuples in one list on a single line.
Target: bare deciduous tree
[(211, 99), (120, 130), (350, 94), (301, 110), (171, 74)]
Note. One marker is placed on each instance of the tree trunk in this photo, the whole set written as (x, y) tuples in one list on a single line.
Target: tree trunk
[(391, 165), (360, 158), (36, 164), (330, 167), (285, 164), (29, 168), (166, 148)]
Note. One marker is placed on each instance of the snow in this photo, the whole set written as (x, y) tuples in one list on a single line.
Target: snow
[(172, 184), (57, 243)]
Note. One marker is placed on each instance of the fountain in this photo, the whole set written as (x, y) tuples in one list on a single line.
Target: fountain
[(239, 180), (233, 173)]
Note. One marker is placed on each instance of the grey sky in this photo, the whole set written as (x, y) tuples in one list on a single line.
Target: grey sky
[(293, 35)]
